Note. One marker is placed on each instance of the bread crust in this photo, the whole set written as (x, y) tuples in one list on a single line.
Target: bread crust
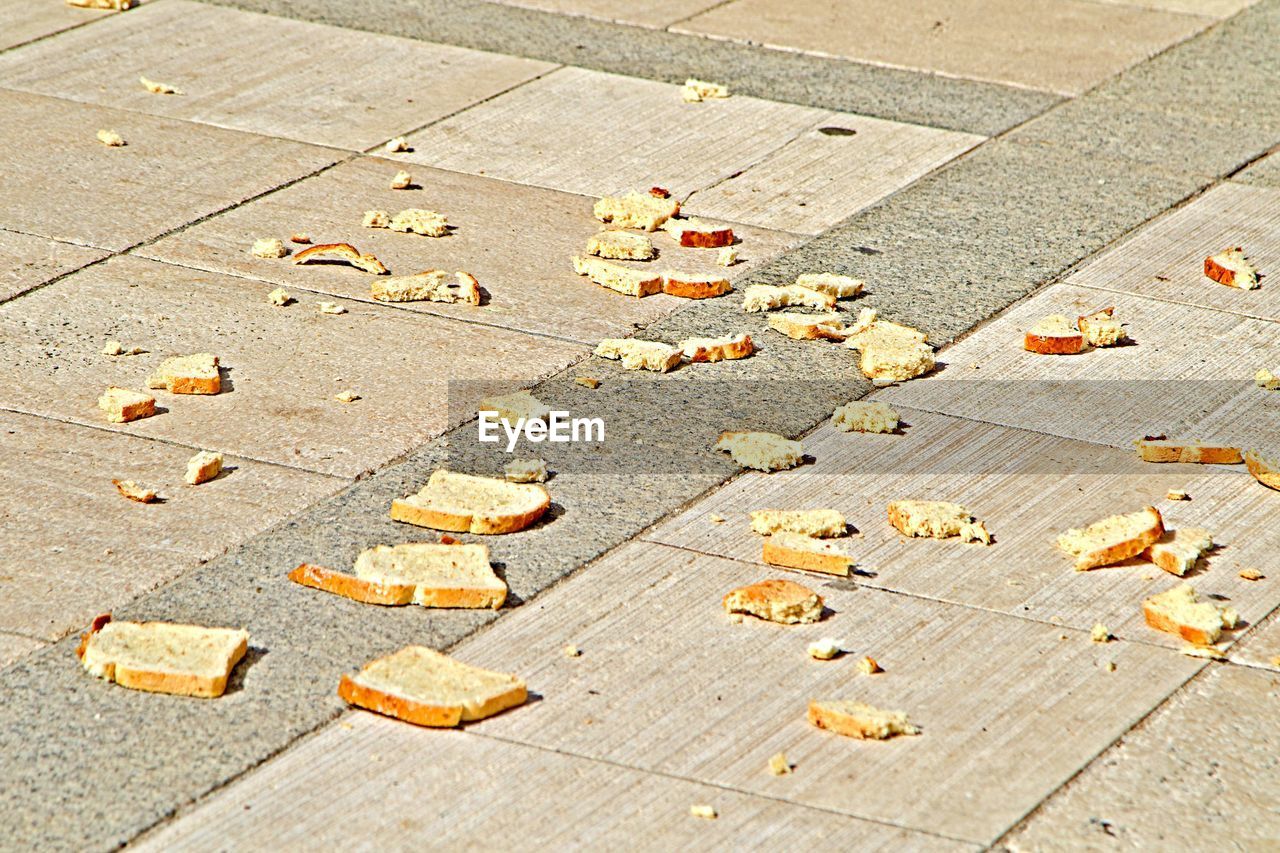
[(455, 522), (352, 587), (1126, 549), (1219, 273), (1261, 471), (423, 713), (695, 289), (343, 252), (716, 238), (152, 681), (461, 598), (1158, 620), (1068, 344), (740, 347), (770, 593), (1167, 451), (791, 558), (848, 725)]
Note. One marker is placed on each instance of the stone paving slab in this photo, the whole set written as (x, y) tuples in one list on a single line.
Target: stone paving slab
[(240, 70), (25, 21), (1265, 171), (28, 261), (1213, 8), (14, 646), (1261, 647), (658, 14)]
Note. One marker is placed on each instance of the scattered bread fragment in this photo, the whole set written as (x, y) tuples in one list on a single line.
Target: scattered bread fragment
[(728, 348), (394, 146), (415, 220), (693, 286), (269, 247), (515, 406), (157, 88), (344, 252), (704, 811), (1101, 329), (1232, 268), (469, 504), (767, 297), (572, 651), (624, 280), (346, 396), (781, 601), (694, 91), (636, 355), (1171, 450), (330, 308), (938, 520), (446, 575), (1180, 611), (839, 286), (1266, 380), (402, 180), (827, 648), (161, 657), (1177, 495), (889, 351), (375, 219), (763, 451), (635, 210), (123, 405), (863, 416), (808, 327), (1210, 652), (587, 382), (778, 764), (857, 719), (116, 5), (867, 665), (188, 374), (1251, 575), (820, 523), (427, 286), (203, 467), (727, 257), (299, 238), (1099, 633), (349, 586), (870, 331), (1113, 539), (1054, 335), (1177, 551), (797, 551), (697, 234), (111, 139), (525, 471), (114, 348), (134, 492), (621, 245), (279, 297), (1265, 467)]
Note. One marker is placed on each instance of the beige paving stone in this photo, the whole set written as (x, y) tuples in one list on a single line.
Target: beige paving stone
[(594, 133), (242, 70), (25, 21), (1027, 488), (371, 781), (13, 647), (824, 176), (1065, 46), (27, 261), (1202, 771), (658, 14), (1261, 646), (1211, 8), (667, 683), (74, 547), (61, 182), (517, 240), (284, 365)]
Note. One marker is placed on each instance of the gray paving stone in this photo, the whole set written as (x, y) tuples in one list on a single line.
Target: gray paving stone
[(1265, 171)]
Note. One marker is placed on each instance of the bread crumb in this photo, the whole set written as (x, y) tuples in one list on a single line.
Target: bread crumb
[(824, 649), (1209, 652), (778, 764), (694, 91), (1251, 574), (1110, 666), (402, 181), (376, 219), (1100, 634), (330, 308), (157, 88), (572, 651), (134, 492), (704, 811), (113, 348), (727, 257), (280, 297), (300, 238), (1275, 661), (111, 139), (525, 471), (716, 518), (347, 397), (1266, 380), (269, 247), (1177, 495), (203, 467), (588, 382), (868, 665), (396, 145)]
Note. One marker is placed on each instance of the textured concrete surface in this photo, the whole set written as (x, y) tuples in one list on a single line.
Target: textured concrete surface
[(25, 21), (14, 646), (28, 261), (1264, 171), (658, 13)]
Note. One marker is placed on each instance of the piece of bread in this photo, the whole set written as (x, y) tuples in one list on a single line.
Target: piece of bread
[(413, 220), (349, 586), (1177, 551), (1101, 329), (116, 5), (864, 416), (515, 406), (616, 277), (1180, 611), (347, 397), (808, 327), (1264, 468), (821, 523), (839, 286), (1173, 450), (587, 382), (134, 492), (636, 210), (1054, 335), (694, 91), (727, 257), (395, 146), (785, 602), (375, 219), (279, 297), (160, 657), (797, 551), (525, 471), (423, 687), (330, 308), (767, 297), (188, 374), (890, 363), (693, 286), (343, 252), (269, 247), (728, 348), (764, 451), (444, 575), (1266, 380), (828, 648), (203, 467), (869, 331), (123, 405), (114, 348), (695, 233), (937, 520), (858, 719), (300, 238), (111, 139), (464, 503), (402, 180), (1232, 268), (428, 286), (638, 355), (1113, 539), (621, 245)]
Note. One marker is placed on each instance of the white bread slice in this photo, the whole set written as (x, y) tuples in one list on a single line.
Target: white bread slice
[(1113, 539), (525, 471), (160, 657), (1179, 611), (728, 348), (858, 719), (343, 252), (415, 220), (820, 523), (350, 586), (1232, 268), (767, 297), (1174, 450), (516, 405), (1101, 329), (782, 601), (203, 467), (797, 551), (622, 279), (1054, 335), (636, 210), (1178, 550), (123, 405), (188, 374), (621, 245), (444, 575), (463, 503), (269, 247), (640, 355), (694, 91), (893, 363), (864, 416), (695, 233), (134, 492), (1264, 468), (423, 687), (808, 327), (937, 520), (870, 331), (429, 286), (689, 285), (764, 451), (839, 286)]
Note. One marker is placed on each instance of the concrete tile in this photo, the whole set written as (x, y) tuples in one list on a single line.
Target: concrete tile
[(1211, 8), (1065, 46), (657, 14), (649, 623), (1265, 172), (28, 261), (26, 21), (14, 646), (63, 183), (517, 240), (58, 478), (285, 364), (592, 133), (1203, 766), (821, 177), (240, 70), (1261, 646)]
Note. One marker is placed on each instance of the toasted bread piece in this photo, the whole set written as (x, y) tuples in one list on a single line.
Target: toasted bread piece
[(1180, 611), (764, 451), (636, 210), (341, 252), (1113, 539), (781, 601), (1054, 335), (638, 355), (718, 349), (839, 286), (857, 719), (808, 327), (188, 374), (1264, 468), (444, 575), (694, 91), (516, 405), (767, 297), (797, 551), (864, 416), (1101, 329), (1178, 550), (693, 286), (428, 286), (622, 279), (402, 180), (621, 245), (525, 471), (937, 520), (161, 657), (349, 586), (820, 523), (695, 233), (269, 247), (413, 220), (891, 363), (111, 139), (203, 467), (468, 504), (134, 492), (423, 687), (123, 405), (1173, 450), (1232, 268)]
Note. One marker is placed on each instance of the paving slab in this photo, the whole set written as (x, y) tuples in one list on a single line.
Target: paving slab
[(1065, 46), (239, 70), (1261, 646), (517, 240), (14, 646), (1202, 766), (29, 261), (25, 21), (660, 13), (1211, 8), (61, 182), (1265, 171), (283, 365)]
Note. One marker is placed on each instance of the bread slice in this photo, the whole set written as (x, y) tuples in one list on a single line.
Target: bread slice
[(636, 210), (423, 687), (269, 247), (693, 286), (349, 586), (821, 523), (515, 406), (864, 416), (134, 492), (1101, 329), (123, 405), (1180, 611), (428, 286), (892, 363), (797, 551), (640, 355), (808, 327), (694, 91), (1173, 450), (1232, 268), (444, 575), (203, 467), (1264, 468), (1113, 539), (342, 252), (858, 719), (937, 520), (839, 286), (767, 297), (161, 657), (728, 348), (464, 503), (414, 220), (622, 279), (117, 5), (764, 451), (621, 245), (781, 601), (1177, 551), (698, 234), (525, 471), (1054, 335), (188, 374)]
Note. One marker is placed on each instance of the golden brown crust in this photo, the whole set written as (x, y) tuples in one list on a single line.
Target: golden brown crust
[(342, 252), (178, 684), (1165, 451), (844, 724), (1161, 622), (1126, 549), (1068, 344), (713, 239), (350, 586), (695, 289), (462, 597), (422, 713), (897, 518), (454, 522), (1261, 471), (810, 561), (767, 593), (1082, 323), (1219, 273), (94, 627), (738, 348)]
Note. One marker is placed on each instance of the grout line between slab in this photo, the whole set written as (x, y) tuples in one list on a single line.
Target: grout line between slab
[(688, 18)]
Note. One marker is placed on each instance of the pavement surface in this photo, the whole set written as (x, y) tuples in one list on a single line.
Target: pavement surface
[(1094, 160)]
